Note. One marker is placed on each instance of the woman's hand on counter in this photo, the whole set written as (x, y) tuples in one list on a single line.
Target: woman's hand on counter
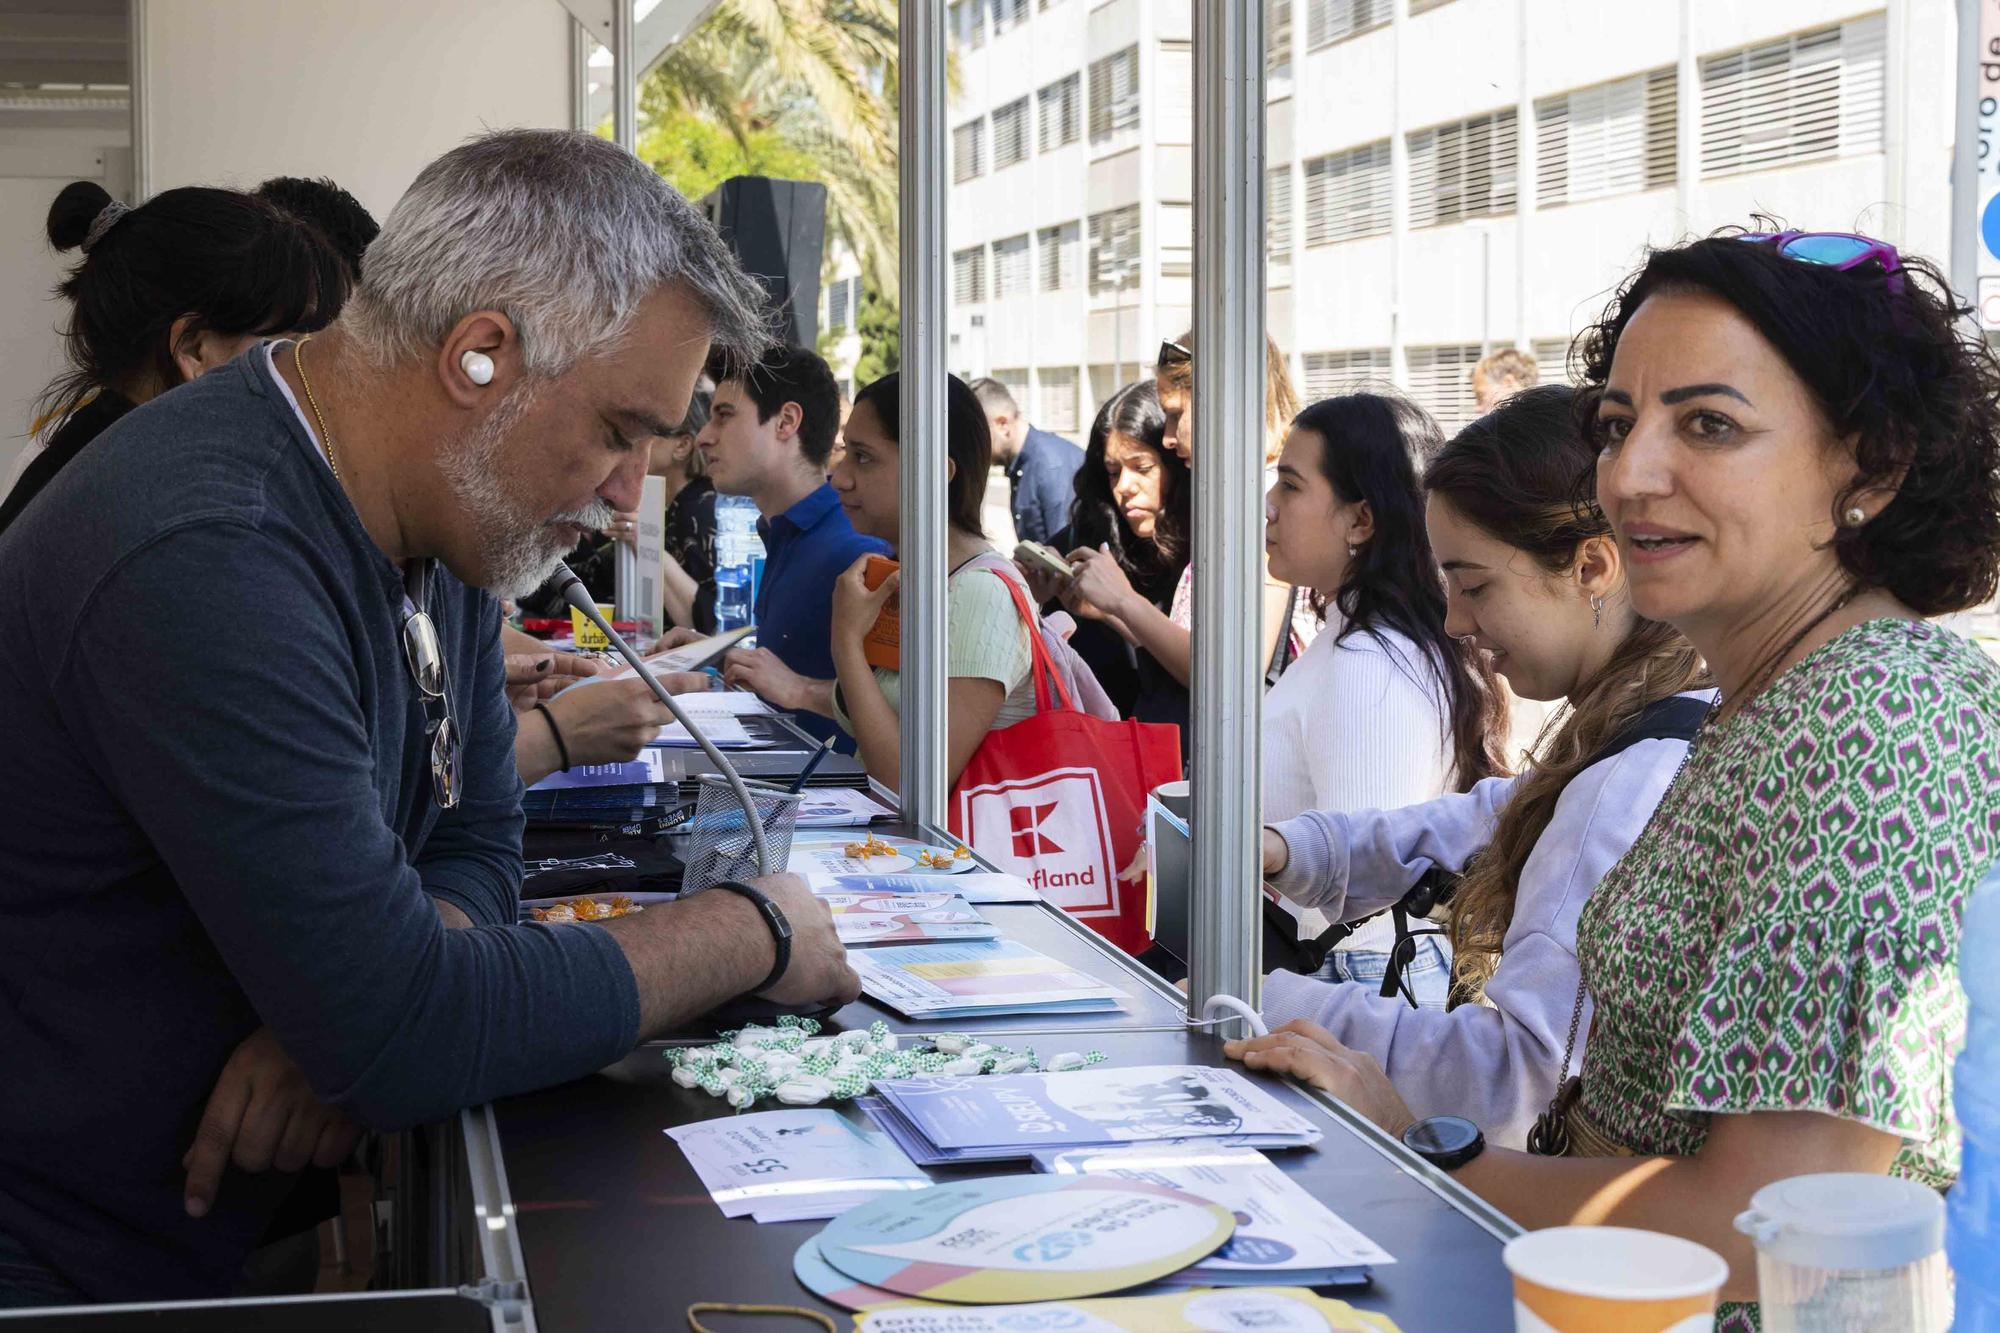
[(1307, 1052)]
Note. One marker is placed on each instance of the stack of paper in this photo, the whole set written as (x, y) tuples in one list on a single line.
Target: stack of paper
[(1283, 1234), (899, 918), (725, 731), (971, 980), (975, 886), (719, 714), (940, 1119), (703, 704), (652, 784), (793, 1166), (609, 795)]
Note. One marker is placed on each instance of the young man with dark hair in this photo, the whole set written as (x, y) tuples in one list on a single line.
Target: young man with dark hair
[(1041, 466), (770, 432)]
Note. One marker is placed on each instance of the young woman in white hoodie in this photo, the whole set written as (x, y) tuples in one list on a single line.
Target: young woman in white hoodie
[(1535, 580)]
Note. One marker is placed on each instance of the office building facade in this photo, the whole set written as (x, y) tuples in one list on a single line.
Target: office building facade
[(1444, 177)]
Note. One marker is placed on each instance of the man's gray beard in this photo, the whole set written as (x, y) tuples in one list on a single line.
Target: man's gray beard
[(518, 548)]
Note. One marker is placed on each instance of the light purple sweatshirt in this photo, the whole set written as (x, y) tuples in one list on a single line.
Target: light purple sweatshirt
[(1497, 1063)]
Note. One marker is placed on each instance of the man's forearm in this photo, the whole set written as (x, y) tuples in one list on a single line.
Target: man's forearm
[(690, 956)]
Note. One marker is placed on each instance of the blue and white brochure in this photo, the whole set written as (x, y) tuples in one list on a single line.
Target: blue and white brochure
[(648, 769), (1018, 1115)]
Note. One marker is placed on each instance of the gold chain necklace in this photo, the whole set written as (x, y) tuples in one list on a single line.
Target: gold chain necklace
[(299, 364)]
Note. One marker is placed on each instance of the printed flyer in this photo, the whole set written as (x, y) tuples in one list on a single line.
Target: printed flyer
[(1044, 1237), (905, 918), (980, 977), (1283, 1233), (1243, 1310), (1104, 1105)]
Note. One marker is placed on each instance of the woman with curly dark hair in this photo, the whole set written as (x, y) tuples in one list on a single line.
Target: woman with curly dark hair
[(1134, 499), (1799, 452)]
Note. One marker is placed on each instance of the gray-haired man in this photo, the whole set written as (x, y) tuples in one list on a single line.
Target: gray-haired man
[(263, 758)]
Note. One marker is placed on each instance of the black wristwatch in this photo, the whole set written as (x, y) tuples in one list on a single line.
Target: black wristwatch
[(1447, 1142), (781, 930)]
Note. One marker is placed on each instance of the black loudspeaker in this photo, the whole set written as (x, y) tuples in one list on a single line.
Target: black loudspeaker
[(778, 231)]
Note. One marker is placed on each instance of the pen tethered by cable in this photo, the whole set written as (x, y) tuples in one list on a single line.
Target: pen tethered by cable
[(565, 582)]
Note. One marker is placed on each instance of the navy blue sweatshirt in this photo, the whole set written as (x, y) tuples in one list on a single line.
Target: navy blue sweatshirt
[(216, 814)]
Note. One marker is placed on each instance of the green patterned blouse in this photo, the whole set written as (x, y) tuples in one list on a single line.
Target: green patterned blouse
[(1784, 935)]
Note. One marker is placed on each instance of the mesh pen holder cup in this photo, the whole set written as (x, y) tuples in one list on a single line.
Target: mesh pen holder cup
[(719, 844)]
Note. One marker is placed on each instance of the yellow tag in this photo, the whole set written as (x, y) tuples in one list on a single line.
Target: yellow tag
[(586, 634)]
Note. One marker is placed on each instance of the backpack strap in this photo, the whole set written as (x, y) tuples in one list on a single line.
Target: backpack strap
[(1674, 718), (1281, 653)]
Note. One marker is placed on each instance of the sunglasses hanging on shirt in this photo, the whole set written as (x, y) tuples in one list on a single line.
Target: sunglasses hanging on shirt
[(425, 656)]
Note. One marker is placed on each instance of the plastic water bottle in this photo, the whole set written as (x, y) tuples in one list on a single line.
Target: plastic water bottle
[(739, 558), (1972, 1211)]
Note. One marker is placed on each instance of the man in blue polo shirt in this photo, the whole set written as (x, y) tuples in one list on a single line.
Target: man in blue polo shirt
[(769, 434)]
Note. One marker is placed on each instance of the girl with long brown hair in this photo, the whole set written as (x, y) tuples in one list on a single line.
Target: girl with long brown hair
[(1536, 581)]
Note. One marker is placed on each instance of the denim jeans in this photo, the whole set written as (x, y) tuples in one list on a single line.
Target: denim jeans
[(1428, 975), (26, 1281)]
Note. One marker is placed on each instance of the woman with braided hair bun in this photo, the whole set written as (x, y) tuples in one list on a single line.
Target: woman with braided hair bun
[(165, 293)]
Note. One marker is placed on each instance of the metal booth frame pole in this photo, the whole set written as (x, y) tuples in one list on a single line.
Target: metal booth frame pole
[(1227, 690), (921, 548), (625, 76), (1966, 162)]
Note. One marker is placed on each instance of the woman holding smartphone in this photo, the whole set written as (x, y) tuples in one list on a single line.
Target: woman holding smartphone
[(1133, 499)]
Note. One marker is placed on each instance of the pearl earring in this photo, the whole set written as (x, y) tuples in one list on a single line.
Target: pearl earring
[(1597, 613), (478, 367), (1856, 516)]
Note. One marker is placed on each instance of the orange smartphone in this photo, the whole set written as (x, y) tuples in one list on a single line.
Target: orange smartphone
[(884, 645)]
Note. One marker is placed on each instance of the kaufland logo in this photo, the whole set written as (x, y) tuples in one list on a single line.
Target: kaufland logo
[(1029, 839), (1051, 831)]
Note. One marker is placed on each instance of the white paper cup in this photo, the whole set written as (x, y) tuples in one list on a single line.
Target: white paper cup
[(1612, 1280)]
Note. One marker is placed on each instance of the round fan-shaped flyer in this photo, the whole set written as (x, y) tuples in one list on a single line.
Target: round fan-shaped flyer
[(1012, 1239), (828, 1283)]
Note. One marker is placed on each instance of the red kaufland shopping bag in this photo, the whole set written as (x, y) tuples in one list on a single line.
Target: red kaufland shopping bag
[(1059, 799)]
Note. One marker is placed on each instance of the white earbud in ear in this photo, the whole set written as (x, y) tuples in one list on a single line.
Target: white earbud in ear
[(478, 367)]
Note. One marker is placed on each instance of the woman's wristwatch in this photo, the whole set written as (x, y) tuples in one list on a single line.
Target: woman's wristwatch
[(1447, 1142), (781, 930)]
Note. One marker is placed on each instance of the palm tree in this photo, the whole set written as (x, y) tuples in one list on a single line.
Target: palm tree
[(800, 82)]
